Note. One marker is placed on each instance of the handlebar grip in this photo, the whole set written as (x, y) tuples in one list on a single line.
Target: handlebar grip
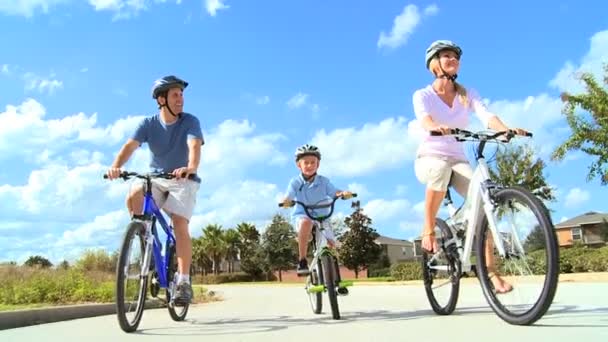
[(436, 133), (105, 176), (529, 134)]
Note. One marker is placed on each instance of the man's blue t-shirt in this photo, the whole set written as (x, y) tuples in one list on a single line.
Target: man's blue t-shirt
[(319, 191), (168, 143)]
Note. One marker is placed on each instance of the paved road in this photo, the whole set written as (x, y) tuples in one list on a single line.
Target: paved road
[(371, 312)]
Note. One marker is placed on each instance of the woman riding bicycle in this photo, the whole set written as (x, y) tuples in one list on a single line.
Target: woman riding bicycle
[(441, 161)]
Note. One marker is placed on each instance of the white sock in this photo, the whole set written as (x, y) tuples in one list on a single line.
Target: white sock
[(183, 278)]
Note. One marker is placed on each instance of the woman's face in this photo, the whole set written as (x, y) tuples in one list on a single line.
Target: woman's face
[(449, 61)]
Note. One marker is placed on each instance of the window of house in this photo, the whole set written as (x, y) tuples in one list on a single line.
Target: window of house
[(404, 250), (577, 234)]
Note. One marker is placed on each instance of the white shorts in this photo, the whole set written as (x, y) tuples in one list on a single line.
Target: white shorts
[(175, 196), (439, 172)]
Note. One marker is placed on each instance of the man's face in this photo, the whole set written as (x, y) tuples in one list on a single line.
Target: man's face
[(175, 100)]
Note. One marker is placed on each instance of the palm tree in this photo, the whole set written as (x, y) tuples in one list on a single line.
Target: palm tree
[(214, 245), (233, 240)]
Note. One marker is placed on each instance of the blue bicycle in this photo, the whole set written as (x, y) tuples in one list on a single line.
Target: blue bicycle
[(130, 298)]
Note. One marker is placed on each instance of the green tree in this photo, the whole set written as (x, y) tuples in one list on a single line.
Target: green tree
[(232, 239), (37, 260), (201, 263), (251, 254), (64, 265), (535, 241), (589, 127), (214, 245), (280, 245), (516, 165), (97, 260), (358, 248)]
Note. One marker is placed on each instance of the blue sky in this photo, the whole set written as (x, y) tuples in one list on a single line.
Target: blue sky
[(266, 76)]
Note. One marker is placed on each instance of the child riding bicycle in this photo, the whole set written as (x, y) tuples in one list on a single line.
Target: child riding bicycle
[(311, 188)]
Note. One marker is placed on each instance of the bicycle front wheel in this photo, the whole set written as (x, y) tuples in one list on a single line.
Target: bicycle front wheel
[(521, 284), (315, 287), (131, 285), (329, 275)]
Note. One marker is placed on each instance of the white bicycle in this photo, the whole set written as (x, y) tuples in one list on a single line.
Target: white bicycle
[(513, 235)]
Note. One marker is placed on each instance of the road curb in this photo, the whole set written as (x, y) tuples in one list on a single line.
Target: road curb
[(24, 318)]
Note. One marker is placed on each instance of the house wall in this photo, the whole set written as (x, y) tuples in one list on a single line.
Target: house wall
[(591, 235), (396, 253)]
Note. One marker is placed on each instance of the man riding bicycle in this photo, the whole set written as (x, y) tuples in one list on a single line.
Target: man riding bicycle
[(174, 139)]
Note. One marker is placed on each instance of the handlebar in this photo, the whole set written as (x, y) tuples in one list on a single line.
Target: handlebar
[(126, 175), (462, 134), (308, 208)]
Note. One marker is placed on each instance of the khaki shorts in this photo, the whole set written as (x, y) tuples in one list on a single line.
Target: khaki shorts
[(175, 196), (438, 172)]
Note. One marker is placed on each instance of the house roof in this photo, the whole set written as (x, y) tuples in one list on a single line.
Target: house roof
[(586, 218), (385, 240)]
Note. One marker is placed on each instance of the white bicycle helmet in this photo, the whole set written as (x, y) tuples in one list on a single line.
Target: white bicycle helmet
[(307, 150)]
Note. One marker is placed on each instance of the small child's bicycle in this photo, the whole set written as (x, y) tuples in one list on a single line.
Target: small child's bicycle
[(324, 270), (130, 298)]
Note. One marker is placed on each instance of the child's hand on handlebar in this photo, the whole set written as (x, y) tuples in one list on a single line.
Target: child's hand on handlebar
[(345, 194), (286, 203)]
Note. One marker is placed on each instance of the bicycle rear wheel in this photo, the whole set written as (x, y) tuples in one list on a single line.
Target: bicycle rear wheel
[(329, 275), (177, 312), (531, 257), (131, 297), (441, 272)]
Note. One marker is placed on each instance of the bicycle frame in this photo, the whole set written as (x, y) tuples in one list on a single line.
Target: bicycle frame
[(153, 244), (470, 215)]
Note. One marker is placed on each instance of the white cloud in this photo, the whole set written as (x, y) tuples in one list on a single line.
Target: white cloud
[(381, 210), (384, 145), (236, 202), (431, 10), (404, 25), (213, 6), (297, 100), (539, 114), (25, 123), (576, 197), (27, 8), (232, 147), (360, 189), (122, 8), (5, 69), (592, 62), (85, 69), (41, 84), (263, 100)]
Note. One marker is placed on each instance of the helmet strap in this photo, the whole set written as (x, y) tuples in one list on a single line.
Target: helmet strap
[(160, 106), (445, 74)]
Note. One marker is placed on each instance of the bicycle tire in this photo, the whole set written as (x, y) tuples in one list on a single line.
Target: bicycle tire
[(171, 271), (552, 265), (454, 263), (314, 279), (129, 326), (329, 275)]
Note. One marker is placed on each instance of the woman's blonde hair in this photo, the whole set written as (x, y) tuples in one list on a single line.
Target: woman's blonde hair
[(435, 68)]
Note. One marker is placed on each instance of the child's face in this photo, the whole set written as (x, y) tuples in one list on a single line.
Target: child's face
[(308, 165)]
